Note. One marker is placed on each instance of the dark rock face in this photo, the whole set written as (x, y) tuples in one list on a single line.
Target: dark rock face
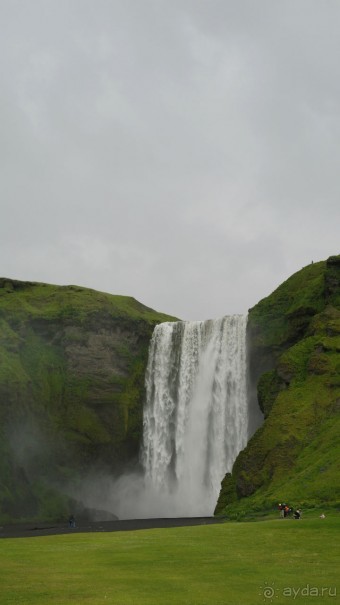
[(71, 389)]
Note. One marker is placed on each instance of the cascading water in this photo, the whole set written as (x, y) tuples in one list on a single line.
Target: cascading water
[(196, 421), (196, 413)]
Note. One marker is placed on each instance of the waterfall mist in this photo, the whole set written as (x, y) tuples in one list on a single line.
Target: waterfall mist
[(195, 421)]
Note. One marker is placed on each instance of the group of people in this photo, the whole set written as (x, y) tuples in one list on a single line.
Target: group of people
[(286, 511)]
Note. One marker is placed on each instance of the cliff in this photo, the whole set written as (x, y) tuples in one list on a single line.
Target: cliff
[(72, 364), (294, 358)]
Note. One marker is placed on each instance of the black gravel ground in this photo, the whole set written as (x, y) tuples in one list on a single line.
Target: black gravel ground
[(29, 530)]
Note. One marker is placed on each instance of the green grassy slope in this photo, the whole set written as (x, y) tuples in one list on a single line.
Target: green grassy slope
[(294, 342), (33, 299), (72, 364)]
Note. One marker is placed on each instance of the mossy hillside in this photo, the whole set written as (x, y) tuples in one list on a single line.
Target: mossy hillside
[(294, 456), (72, 364), (281, 319), (54, 302)]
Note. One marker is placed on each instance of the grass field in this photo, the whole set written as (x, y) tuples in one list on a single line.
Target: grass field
[(279, 561)]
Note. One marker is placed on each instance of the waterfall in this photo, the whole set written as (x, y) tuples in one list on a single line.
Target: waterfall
[(196, 413)]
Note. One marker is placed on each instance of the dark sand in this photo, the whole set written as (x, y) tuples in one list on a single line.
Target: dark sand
[(29, 530)]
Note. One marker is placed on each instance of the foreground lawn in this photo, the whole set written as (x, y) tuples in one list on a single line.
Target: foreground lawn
[(233, 563)]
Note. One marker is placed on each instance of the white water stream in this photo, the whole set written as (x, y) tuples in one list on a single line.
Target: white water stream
[(196, 421), (196, 414)]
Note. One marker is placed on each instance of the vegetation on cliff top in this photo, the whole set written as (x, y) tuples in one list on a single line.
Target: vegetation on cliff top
[(294, 350), (33, 299)]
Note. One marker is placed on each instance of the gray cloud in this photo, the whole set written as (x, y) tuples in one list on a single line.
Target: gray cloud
[(181, 152)]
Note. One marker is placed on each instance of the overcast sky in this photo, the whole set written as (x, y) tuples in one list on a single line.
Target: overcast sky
[(184, 152)]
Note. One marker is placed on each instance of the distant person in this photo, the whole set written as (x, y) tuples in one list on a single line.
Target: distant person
[(282, 510), (72, 521), (297, 514)]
